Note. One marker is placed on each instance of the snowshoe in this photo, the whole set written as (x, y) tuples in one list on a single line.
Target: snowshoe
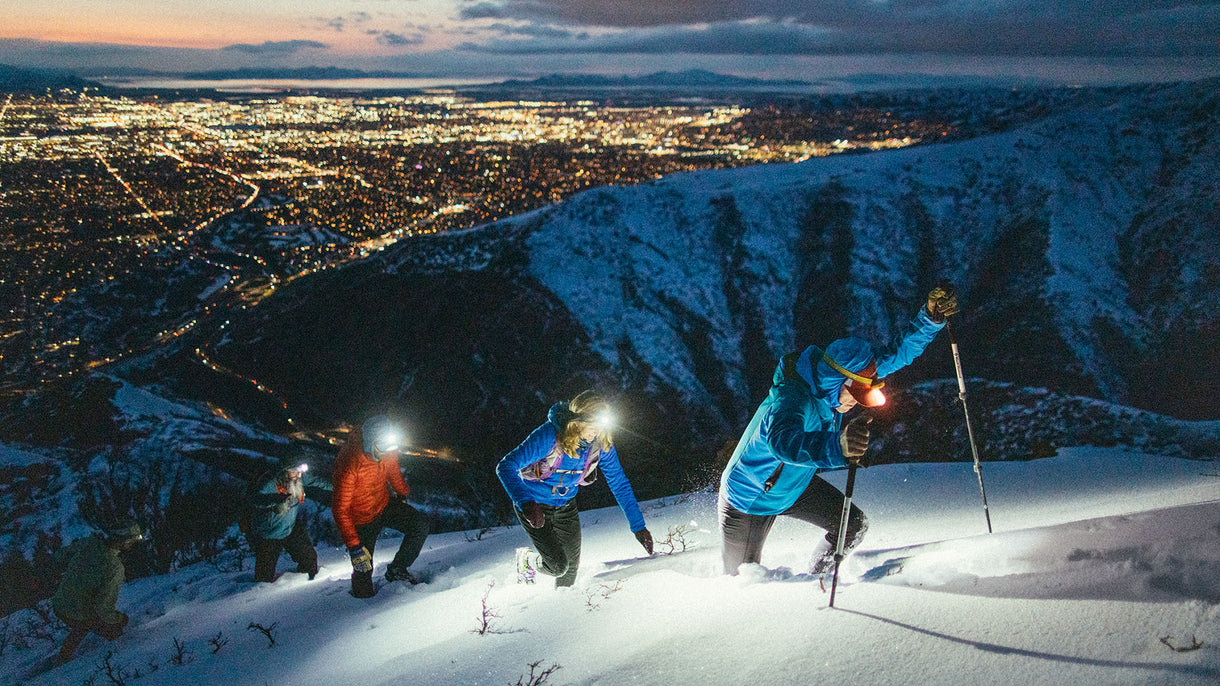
[(527, 566)]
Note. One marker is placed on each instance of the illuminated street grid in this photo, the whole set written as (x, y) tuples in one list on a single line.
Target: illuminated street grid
[(125, 221)]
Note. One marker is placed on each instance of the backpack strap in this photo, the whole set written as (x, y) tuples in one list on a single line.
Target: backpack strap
[(543, 469)]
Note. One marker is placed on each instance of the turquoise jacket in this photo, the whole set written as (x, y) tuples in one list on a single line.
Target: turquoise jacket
[(797, 427)]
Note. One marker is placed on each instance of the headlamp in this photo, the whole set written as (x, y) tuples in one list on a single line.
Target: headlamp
[(388, 442), (302, 468), (602, 419), (864, 387)]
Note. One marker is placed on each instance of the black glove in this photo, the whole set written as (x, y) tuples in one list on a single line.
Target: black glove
[(533, 514), (645, 539), (942, 302), (854, 440)]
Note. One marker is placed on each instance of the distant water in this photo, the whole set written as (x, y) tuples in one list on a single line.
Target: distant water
[(280, 85)]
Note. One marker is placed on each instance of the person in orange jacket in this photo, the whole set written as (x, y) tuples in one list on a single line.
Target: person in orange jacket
[(366, 472)]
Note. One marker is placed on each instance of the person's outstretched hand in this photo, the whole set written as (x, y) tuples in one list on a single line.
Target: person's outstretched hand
[(645, 539), (942, 302)]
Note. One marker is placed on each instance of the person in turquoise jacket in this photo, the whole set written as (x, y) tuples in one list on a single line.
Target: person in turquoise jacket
[(799, 429), (543, 475), (275, 524)]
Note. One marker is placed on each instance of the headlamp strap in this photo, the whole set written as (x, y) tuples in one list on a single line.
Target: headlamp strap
[(867, 382)]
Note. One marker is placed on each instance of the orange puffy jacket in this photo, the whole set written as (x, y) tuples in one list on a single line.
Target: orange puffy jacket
[(361, 483)]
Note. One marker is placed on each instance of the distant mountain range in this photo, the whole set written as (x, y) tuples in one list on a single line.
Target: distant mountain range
[(663, 79), (301, 73), (694, 78), (26, 80)]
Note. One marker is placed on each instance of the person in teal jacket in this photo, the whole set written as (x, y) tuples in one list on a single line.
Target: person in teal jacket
[(799, 429), (275, 524), (88, 591), (543, 475)]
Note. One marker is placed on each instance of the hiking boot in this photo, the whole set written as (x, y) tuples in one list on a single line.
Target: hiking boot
[(824, 564), (393, 574), (362, 585), (311, 571), (527, 565)]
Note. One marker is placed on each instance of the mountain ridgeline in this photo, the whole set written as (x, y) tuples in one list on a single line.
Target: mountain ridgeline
[(1083, 247)]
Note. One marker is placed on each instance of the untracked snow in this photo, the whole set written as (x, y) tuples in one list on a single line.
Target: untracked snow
[(1101, 564)]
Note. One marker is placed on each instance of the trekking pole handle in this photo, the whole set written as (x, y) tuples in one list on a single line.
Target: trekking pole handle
[(957, 361)]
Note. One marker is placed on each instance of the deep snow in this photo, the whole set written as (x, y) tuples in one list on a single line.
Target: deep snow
[(1098, 554)]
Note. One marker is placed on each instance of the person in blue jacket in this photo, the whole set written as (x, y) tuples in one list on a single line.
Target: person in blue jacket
[(275, 526), (799, 429), (543, 475)]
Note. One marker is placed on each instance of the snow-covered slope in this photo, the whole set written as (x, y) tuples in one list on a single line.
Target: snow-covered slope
[(1101, 563), (1082, 245), (1046, 229)]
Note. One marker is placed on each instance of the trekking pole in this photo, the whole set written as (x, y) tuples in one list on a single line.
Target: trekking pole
[(851, 486), (961, 388)]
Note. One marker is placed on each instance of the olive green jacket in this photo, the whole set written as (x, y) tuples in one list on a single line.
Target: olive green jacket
[(89, 588)]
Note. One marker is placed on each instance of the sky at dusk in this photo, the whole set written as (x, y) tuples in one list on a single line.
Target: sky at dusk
[(1084, 40)]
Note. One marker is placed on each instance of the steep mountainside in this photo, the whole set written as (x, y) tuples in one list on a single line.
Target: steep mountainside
[(1083, 247)]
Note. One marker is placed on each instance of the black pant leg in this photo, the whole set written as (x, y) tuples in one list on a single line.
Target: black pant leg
[(557, 541), (362, 582), (301, 549), (741, 536), (368, 533), (821, 504), (566, 520), (414, 528), (266, 555)]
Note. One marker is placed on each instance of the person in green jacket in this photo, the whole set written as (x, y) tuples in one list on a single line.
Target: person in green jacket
[(89, 588)]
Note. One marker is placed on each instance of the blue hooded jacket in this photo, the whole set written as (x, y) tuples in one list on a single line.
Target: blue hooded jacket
[(558, 488), (797, 425)]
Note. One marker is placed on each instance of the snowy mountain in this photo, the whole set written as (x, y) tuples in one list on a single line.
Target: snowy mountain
[(1082, 245), (1101, 570)]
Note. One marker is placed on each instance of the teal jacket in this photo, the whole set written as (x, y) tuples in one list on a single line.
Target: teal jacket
[(797, 425), (277, 501)]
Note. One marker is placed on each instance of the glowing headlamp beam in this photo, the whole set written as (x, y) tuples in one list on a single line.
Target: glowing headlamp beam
[(604, 420), (388, 441)]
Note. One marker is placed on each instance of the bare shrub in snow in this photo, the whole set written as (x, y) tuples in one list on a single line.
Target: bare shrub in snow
[(675, 542), (218, 641), (181, 655), (536, 678), (488, 616), (1194, 644), (268, 631), (596, 595)]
